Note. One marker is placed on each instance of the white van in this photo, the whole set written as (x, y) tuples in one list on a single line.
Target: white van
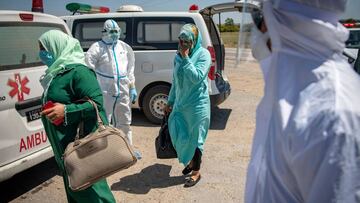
[(23, 142), (154, 39)]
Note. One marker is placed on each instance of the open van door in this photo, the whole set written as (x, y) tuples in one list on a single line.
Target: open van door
[(210, 11)]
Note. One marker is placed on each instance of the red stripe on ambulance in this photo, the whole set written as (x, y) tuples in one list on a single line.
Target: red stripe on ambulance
[(32, 140)]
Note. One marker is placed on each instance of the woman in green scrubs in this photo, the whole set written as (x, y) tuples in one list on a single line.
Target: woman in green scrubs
[(67, 80)]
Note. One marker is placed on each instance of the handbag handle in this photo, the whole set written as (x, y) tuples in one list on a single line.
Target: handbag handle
[(81, 124)]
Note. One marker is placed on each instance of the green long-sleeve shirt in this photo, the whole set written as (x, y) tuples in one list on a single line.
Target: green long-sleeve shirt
[(74, 83)]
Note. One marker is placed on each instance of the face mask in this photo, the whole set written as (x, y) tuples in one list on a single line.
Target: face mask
[(114, 37), (46, 57), (259, 47), (110, 38)]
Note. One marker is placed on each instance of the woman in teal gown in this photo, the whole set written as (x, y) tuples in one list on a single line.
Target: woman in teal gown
[(189, 101)]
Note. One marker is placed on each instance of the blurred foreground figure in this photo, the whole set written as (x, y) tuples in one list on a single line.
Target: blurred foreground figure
[(306, 146)]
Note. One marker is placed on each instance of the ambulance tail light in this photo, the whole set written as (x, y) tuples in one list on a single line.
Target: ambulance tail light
[(212, 71), (26, 16), (37, 6)]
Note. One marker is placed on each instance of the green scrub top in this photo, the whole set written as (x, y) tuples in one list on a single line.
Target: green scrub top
[(72, 83)]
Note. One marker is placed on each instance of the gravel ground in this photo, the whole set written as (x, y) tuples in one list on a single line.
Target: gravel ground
[(225, 160)]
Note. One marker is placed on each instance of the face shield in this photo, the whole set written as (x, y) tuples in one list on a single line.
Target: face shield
[(253, 39)]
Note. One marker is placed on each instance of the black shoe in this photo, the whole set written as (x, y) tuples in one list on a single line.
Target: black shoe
[(191, 182), (187, 170)]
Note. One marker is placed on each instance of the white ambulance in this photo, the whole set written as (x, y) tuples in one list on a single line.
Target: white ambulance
[(154, 38), (23, 142)]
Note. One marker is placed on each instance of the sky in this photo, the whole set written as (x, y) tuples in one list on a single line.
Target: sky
[(57, 7)]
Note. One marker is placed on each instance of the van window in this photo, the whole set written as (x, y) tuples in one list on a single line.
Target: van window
[(19, 44), (161, 32), (89, 32), (354, 39), (158, 33), (216, 41)]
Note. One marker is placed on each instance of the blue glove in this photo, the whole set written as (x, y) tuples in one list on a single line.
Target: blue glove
[(133, 95)]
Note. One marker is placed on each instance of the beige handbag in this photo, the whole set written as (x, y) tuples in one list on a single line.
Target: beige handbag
[(96, 156)]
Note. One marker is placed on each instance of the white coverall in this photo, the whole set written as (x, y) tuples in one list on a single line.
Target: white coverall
[(306, 145), (113, 61)]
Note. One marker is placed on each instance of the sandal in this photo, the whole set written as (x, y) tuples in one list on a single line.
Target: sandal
[(191, 182), (187, 170)]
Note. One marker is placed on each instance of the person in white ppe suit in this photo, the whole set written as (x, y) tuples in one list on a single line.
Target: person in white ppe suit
[(306, 145), (113, 62)]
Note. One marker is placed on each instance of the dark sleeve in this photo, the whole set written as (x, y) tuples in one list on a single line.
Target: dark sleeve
[(84, 84)]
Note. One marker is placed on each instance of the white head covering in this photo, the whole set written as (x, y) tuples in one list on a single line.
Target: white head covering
[(305, 26), (329, 5)]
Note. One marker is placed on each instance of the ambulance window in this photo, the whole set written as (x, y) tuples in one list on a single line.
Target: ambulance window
[(19, 44), (354, 39), (158, 33)]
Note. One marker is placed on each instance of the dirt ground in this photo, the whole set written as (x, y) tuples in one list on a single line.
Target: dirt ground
[(225, 159)]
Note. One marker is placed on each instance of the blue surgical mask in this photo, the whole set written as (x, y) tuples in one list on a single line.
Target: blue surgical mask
[(46, 57)]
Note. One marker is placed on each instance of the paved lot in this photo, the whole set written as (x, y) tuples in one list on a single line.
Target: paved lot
[(225, 159)]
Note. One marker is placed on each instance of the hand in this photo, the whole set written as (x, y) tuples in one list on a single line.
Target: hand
[(133, 95), (167, 109), (184, 48), (55, 113), (184, 52)]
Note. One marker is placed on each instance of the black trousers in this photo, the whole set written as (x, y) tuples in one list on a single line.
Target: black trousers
[(196, 160)]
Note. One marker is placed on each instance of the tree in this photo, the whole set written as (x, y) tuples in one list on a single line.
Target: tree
[(229, 21)]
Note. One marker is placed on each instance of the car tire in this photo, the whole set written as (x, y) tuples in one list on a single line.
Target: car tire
[(154, 102)]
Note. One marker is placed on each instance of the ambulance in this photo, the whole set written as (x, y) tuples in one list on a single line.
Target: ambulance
[(23, 141)]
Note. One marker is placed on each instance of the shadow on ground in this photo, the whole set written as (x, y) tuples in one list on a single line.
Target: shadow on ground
[(155, 176), (139, 119), (219, 118), (37, 177)]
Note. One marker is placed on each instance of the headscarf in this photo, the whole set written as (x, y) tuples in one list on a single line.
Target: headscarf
[(65, 50), (191, 33)]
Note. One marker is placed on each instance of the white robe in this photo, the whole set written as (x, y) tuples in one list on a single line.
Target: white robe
[(306, 145)]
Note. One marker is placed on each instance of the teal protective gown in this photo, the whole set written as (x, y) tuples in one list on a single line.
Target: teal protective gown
[(190, 117)]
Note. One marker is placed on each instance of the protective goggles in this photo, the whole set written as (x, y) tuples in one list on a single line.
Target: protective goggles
[(111, 31)]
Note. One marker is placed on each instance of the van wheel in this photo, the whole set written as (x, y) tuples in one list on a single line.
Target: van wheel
[(154, 102)]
